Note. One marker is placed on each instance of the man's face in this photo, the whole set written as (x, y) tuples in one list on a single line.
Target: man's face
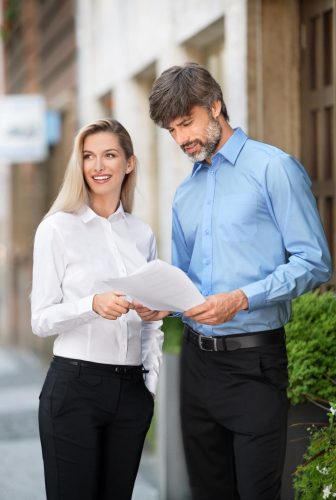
[(198, 133)]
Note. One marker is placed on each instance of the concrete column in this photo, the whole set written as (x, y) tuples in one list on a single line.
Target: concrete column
[(235, 62), (173, 163), (88, 107), (173, 479), (4, 250), (131, 109), (4, 220), (274, 72)]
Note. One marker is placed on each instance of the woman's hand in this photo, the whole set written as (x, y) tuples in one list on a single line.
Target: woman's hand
[(111, 305), (147, 314)]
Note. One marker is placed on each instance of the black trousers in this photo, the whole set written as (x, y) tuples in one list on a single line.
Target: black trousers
[(92, 428), (234, 421)]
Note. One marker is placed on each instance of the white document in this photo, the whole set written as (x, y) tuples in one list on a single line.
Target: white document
[(159, 286)]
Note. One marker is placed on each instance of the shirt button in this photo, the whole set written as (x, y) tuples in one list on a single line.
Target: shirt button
[(206, 231), (208, 202)]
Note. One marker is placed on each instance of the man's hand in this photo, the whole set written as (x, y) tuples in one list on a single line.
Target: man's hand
[(147, 314), (111, 305), (218, 308)]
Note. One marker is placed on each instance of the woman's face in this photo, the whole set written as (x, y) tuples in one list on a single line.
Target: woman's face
[(105, 164)]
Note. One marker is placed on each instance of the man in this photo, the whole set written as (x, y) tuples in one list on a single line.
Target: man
[(247, 232)]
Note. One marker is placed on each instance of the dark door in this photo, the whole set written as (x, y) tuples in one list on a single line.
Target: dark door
[(318, 114)]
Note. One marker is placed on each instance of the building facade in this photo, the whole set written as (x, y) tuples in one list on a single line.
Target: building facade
[(275, 60)]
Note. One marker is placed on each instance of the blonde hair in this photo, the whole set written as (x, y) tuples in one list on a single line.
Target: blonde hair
[(74, 192)]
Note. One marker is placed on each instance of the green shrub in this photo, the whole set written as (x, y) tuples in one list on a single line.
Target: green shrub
[(311, 345), (173, 332), (316, 478)]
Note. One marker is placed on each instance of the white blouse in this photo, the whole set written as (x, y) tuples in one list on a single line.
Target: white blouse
[(73, 255)]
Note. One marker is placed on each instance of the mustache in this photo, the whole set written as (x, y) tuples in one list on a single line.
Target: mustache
[(192, 143)]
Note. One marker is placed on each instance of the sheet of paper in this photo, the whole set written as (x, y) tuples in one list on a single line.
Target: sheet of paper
[(159, 286)]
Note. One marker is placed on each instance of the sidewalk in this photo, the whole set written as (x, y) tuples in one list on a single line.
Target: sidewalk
[(21, 468)]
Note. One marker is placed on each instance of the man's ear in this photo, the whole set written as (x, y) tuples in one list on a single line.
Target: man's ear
[(131, 162), (216, 108)]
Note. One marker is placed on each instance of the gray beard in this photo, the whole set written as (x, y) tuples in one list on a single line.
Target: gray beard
[(214, 133)]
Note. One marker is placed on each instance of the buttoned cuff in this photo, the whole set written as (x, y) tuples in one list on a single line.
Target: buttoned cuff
[(85, 307), (255, 294)]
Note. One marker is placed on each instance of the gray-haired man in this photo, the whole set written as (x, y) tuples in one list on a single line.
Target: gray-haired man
[(247, 232)]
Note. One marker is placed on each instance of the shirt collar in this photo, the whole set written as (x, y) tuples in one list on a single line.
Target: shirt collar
[(230, 150), (87, 214)]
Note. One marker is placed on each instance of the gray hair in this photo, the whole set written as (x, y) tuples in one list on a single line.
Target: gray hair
[(178, 89)]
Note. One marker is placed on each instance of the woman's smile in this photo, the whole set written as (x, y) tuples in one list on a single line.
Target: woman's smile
[(101, 179)]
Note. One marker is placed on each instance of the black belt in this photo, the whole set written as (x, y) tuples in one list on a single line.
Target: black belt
[(234, 342), (117, 369)]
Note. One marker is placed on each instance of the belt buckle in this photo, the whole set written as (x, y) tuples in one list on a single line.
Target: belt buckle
[(201, 337)]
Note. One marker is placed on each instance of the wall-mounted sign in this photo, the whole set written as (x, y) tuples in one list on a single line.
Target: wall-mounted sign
[(23, 131)]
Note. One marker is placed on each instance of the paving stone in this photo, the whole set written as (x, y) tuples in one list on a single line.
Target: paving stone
[(21, 472), (22, 425)]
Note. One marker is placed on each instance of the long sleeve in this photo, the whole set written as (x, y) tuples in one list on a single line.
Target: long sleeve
[(50, 315), (293, 209), (152, 340), (180, 255)]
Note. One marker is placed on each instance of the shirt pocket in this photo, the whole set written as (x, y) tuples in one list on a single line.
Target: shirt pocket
[(238, 217)]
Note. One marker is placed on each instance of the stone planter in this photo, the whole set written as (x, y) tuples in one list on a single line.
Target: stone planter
[(173, 480), (300, 417)]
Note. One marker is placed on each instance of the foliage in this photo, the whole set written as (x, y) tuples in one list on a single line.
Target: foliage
[(173, 331), (10, 16), (316, 478), (311, 345)]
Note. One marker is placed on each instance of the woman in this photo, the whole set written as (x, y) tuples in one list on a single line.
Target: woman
[(95, 406)]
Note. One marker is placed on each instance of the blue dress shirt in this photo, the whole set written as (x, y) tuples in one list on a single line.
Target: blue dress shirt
[(249, 220)]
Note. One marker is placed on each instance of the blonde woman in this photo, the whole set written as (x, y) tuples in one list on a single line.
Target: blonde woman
[(97, 400)]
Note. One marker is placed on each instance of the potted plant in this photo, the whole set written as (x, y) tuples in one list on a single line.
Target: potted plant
[(311, 346), (316, 477)]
